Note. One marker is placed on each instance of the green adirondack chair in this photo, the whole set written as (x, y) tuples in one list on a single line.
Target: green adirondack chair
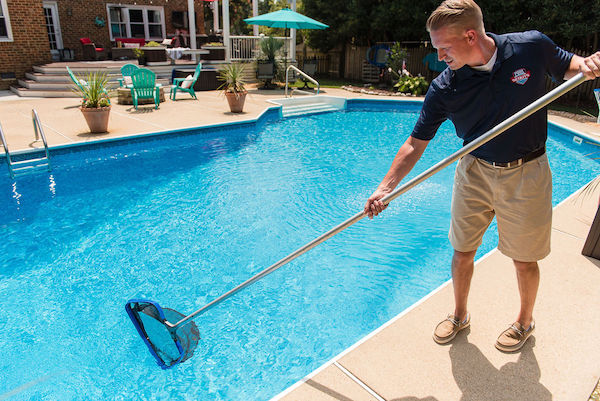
[(177, 82), (127, 70), (81, 83), (145, 87)]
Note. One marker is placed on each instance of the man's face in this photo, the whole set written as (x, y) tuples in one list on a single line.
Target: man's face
[(454, 45)]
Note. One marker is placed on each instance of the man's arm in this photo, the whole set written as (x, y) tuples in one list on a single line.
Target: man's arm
[(590, 66), (405, 160)]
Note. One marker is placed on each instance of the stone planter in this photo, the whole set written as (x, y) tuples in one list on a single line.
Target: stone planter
[(154, 54), (236, 103), (96, 119), (214, 53)]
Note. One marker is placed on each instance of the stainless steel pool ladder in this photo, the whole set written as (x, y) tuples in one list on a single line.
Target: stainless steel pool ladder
[(305, 75), (24, 165)]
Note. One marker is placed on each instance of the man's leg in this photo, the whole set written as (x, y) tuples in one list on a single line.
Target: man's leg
[(462, 272), (528, 277)]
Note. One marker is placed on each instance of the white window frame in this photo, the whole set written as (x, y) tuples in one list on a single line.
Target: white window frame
[(8, 38), (126, 8)]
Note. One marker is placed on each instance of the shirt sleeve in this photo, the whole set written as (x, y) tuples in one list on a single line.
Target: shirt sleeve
[(432, 115), (557, 59)]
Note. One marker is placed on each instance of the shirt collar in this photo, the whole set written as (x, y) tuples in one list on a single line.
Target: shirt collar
[(505, 50)]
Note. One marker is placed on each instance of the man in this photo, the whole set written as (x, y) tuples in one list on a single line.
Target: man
[(488, 79)]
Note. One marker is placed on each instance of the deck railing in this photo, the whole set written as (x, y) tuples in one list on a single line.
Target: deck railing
[(245, 48)]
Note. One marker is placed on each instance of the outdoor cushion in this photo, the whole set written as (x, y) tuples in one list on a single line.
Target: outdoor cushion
[(127, 80), (85, 41), (187, 82)]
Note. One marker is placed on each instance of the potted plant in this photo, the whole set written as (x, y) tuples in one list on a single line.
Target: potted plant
[(233, 86), (269, 48), (95, 104), (154, 52), (139, 54), (216, 51)]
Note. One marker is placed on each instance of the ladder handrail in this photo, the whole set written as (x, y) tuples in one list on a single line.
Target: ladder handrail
[(39, 131), (5, 145), (293, 67)]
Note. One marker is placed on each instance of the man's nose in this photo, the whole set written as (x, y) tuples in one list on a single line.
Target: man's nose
[(441, 55)]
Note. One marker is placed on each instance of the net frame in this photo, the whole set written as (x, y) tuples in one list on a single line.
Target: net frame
[(133, 309)]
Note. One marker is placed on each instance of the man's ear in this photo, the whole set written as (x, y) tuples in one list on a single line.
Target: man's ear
[(471, 36)]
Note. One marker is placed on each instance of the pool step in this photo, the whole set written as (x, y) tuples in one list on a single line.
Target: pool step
[(307, 108), (24, 166)]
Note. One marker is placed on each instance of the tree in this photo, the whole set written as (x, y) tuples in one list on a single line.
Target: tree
[(365, 22)]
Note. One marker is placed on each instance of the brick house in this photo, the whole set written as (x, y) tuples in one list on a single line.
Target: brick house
[(32, 32)]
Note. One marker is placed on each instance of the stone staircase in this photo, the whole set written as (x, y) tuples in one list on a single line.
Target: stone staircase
[(53, 80)]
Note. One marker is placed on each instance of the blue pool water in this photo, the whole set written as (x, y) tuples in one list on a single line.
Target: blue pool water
[(182, 219)]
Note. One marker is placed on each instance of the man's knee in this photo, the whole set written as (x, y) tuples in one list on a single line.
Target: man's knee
[(525, 267), (463, 258)]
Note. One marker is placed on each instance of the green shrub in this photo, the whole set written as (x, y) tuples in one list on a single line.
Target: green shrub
[(396, 57), (94, 93), (415, 85), (152, 44)]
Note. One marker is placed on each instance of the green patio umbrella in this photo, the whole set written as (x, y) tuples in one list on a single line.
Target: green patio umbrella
[(287, 19)]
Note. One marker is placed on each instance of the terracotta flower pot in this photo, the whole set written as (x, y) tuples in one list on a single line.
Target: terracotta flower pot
[(236, 103), (97, 119)]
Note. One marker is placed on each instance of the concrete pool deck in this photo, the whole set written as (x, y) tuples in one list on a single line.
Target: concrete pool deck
[(400, 361)]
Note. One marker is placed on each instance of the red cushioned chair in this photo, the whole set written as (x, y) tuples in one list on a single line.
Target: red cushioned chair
[(90, 51)]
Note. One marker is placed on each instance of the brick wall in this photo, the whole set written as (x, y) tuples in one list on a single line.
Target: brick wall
[(30, 40), (30, 46), (77, 19)]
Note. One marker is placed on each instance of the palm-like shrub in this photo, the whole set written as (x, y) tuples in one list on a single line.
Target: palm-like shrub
[(93, 90), (233, 79)]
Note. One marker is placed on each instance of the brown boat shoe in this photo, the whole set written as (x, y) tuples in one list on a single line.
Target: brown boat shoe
[(513, 338), (447, 329)]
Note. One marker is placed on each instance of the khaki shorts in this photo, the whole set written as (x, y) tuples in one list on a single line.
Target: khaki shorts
[(520, 198)]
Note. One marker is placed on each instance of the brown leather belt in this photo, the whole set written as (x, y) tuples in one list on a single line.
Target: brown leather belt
[(528, 157)]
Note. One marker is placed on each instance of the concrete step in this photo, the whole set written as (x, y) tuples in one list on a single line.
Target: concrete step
[(308, 108), (31, 88), (24, 92), (62, 84)]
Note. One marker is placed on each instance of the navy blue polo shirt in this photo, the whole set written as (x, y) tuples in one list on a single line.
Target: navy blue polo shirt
[(476, 101)]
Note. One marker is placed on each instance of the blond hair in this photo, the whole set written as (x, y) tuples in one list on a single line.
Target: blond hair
[(464, 14)]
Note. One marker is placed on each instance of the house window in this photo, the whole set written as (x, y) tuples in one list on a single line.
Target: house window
[(134, 21), (5, 30), (118, 26)]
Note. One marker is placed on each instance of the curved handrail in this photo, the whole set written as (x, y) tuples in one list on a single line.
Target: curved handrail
[(39, 132), (8, 161), (298, 70)]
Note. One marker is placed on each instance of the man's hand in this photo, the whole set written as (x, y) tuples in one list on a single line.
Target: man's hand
[(374, 205), (590, 66)]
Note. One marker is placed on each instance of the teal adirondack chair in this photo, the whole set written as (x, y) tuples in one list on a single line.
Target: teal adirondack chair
[(127, 70), (177, 82), (145, 87), (81, 83)]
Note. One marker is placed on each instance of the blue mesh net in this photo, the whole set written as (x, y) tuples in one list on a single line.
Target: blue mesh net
[(169, 348)]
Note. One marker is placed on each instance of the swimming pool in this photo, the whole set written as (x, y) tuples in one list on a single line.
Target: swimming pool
[(183, 218)]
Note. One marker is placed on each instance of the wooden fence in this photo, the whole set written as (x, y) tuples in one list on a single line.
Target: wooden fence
[(357, 68)]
